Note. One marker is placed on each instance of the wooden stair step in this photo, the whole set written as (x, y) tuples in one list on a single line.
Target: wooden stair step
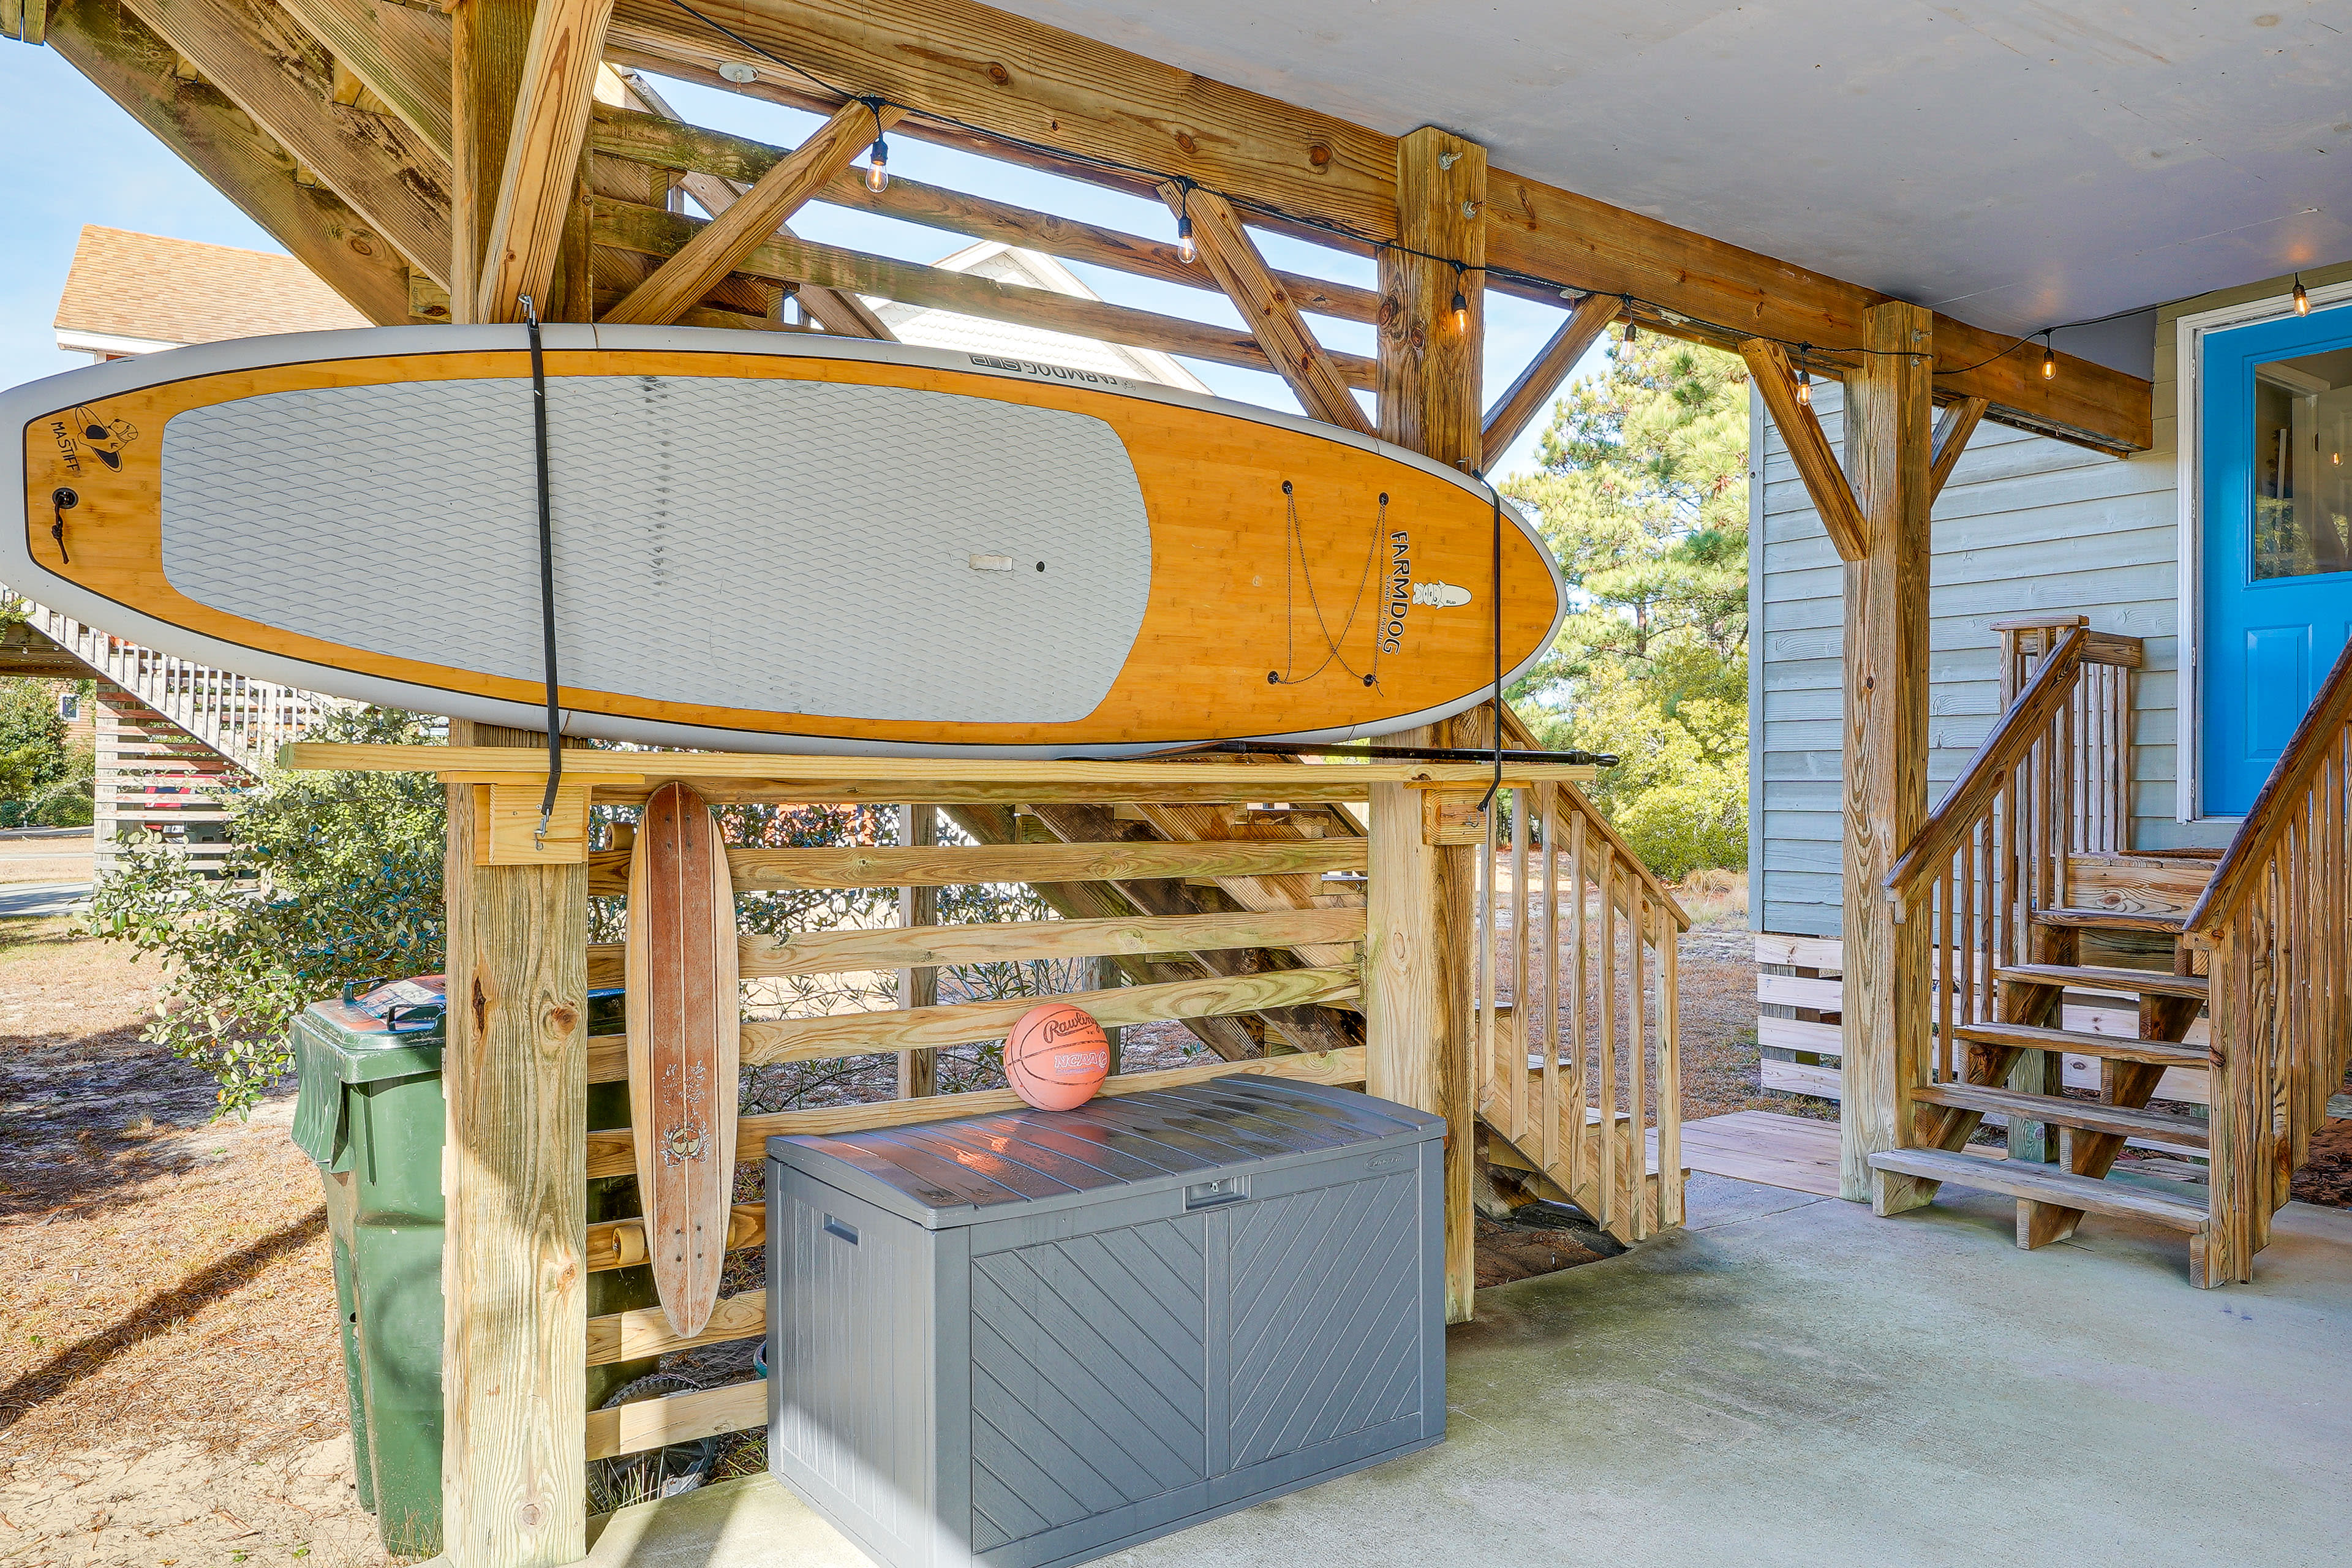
[(2076, 1042), (2038, 1183), (2109, 919), (2188, 1132), (2099, 977)]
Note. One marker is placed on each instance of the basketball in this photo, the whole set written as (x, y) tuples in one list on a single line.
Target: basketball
[(1056, 1057)]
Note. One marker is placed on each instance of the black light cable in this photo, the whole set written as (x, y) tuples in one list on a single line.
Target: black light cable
[(546, 567)]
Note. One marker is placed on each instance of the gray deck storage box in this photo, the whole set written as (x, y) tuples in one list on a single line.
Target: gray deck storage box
[(1032, 1339)]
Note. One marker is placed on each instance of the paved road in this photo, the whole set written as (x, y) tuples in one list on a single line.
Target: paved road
[(43, 898)]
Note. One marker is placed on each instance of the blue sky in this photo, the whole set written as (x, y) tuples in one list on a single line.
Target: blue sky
[(121, 177)]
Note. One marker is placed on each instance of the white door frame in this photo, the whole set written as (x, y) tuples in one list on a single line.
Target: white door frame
[(2189, 357)]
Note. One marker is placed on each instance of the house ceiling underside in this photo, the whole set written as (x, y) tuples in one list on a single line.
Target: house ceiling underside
[(2012, 164)]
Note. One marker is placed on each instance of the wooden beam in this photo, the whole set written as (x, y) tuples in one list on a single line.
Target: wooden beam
[(919, 976), (1272, 317), (488, 41), (1417, 1031), (283, 78), (928, 945), (653, 232), (514, 1482), (131, 64), (1429, 365), (26, 21), (843, 314), (1954, 425), (958, 60), (1889, 408), (750, 223), (1123, 860), (1541, 379), (543, 157), (1809, 447), (696, 152), (400, 52)]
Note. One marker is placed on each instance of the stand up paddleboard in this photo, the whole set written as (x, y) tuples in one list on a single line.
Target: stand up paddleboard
[(685, 1048), (768, 542)]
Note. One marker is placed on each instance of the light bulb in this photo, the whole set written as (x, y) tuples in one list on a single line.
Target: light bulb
[(2302, 300), (1804, 387), (1629, 329), (877, 167), (1186, 251), (2049, 362), (1461, 313)]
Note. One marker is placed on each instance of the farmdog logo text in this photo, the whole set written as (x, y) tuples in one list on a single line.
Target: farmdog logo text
[(1399, 591), (84, 430), (1049, 372)]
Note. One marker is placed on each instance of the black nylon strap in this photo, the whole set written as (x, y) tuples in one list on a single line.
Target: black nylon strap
[(546, 566)]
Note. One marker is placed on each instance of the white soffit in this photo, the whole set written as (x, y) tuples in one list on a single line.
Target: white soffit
[(2012, 163)]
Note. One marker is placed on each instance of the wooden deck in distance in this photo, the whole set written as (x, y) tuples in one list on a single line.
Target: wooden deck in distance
[(1797, 1153)]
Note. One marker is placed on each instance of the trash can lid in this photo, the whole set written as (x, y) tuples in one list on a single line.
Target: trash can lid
[(392, 1029), (947, 1174)]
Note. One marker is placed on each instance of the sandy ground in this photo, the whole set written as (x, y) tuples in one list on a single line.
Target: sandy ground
[(170, 1386)]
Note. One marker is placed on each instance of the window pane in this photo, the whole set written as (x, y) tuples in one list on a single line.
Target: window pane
[(2302, 486)]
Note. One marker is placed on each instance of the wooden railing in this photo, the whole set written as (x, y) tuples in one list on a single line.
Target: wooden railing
[(1995, 850), (2100, 749), (2274, 921), (1579, 1070)]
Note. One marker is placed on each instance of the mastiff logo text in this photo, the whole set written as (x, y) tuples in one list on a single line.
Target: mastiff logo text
[(1400, 596), (86, 431)]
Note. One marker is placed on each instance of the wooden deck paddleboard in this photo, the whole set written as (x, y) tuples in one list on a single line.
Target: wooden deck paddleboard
[(685, 1048), (767, 541)]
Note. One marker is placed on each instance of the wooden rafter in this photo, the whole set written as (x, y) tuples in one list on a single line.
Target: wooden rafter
[(27, 20), (750, 223), (274, 72), (699, 152), (1809, 447), (963, 61), (839, 312), (400, 52), (133, 66), (1954, 424), (1273, 320), (651, 231), (542, 156), (1537, 383)]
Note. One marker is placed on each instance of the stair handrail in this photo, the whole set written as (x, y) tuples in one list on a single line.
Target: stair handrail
[(1517, 733), (2013, 737), (2267, 822)]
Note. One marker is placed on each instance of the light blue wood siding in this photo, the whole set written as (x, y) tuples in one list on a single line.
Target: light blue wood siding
[(2026, 525)]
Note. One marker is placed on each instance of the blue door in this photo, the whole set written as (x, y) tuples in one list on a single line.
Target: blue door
[(2277, 494)]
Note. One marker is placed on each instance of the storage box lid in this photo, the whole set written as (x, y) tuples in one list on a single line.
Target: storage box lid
[(947, 1174)]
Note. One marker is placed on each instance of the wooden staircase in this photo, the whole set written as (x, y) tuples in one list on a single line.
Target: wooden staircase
[(2254, 943), (174, 738)]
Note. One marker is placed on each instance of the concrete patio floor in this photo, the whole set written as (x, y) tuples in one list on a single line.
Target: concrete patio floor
[(1789, 1381)]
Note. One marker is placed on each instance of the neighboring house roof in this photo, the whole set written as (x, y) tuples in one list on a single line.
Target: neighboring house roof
[(136, 294), (1009, 263)]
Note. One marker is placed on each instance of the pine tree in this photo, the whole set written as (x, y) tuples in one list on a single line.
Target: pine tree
[(1643, 497)]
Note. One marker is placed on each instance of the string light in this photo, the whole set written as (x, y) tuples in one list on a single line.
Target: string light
[(2302, 300), (878, 157), (1461, 305), (1186, 251), (1804, 378), (2049, 360)]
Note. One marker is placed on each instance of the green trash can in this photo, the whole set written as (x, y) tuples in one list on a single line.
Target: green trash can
[(371, 1116)]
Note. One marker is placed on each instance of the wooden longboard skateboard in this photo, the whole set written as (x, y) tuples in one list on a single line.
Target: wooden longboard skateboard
[(861, 547), (685, 1048)]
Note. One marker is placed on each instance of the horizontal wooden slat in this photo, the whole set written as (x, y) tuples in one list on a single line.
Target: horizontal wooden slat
[(1824, 953), (927, 866), (678, 1418), (962, 1022), (918, 947), (646, 1332), (1797, 990), (609, 1151), (620, 1243), (653, 231), (2135, 884)]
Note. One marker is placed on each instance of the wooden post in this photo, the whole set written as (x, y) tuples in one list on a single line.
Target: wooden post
[(514, 1172), (1416, 993), (1889, 408), (919, 1071), (488, 41)]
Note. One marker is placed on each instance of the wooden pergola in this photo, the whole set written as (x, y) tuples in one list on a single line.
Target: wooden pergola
[(441, 164)]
